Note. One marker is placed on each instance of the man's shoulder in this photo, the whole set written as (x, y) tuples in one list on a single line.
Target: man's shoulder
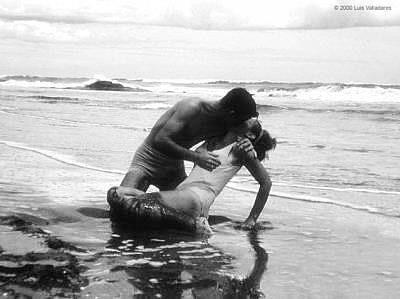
[(190, 105)]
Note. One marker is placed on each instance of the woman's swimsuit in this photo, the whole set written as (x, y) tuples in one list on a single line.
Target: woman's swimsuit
[(207, 185)]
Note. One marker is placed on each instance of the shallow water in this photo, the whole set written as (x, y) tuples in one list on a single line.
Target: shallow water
[(332, 219)]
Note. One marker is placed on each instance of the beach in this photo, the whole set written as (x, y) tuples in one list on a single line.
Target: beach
[(330, 229)]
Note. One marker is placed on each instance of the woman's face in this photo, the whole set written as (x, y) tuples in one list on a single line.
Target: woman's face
[(250, 135), (244, 129)]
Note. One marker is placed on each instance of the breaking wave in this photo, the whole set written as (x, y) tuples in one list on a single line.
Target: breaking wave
[(263, 90), (367, 93)]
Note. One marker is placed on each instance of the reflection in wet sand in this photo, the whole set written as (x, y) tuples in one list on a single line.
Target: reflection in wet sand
[(174, 265)]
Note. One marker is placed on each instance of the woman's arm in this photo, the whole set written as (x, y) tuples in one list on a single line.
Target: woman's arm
[(258, 171)]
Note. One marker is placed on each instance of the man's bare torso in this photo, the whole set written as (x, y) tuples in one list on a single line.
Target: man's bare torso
[(202, 125)]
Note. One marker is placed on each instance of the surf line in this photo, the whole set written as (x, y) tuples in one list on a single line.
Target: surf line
[(58, 157), (320, 200), (363, 190), (69, 161), (339, 189)]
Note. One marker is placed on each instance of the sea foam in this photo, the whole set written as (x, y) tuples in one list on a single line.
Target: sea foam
[(337, 93), (62, 158)]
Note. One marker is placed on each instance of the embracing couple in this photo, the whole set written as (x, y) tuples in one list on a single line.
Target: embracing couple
[(232, 137)]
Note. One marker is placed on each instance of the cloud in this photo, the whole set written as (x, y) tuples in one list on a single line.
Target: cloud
[(34, 31), (199, 14)]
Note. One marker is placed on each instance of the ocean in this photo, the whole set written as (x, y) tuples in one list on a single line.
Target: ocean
[(331, 225)]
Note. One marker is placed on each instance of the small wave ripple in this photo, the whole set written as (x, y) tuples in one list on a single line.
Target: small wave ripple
[(62, 158), (317, 199)]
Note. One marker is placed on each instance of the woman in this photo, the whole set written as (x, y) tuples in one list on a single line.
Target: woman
[(187, 206)]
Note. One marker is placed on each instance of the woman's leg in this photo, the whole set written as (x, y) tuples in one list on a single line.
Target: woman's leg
[(183, 200), (150, 210), (177, 209)]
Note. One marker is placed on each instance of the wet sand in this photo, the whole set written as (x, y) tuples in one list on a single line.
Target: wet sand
[(297, 254), (156, 264), (331, 226)]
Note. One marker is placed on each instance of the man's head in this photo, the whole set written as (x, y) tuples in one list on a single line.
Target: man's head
[(240, 103)]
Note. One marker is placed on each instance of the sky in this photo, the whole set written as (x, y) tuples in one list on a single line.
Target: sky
[(291, 41)]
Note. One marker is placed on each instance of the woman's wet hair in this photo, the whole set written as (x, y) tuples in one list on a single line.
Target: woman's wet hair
[(263, 142)]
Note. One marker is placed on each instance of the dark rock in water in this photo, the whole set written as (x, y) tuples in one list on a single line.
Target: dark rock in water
[(20, 224), (108, 85), (105, 85), (55, 273), (25, 226), (52, 274)]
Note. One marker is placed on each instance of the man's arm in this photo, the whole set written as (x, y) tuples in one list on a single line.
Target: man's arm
[(184, 113), (261, 175)]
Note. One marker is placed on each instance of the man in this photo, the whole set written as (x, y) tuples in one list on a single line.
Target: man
[(159, 160)]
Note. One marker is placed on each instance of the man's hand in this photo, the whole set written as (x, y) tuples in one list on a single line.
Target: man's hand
[(244, 149), (208, 161)]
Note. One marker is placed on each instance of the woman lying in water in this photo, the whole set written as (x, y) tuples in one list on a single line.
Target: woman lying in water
[(187, 206)]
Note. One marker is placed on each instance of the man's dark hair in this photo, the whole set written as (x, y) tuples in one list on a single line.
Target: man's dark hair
[(240, 101)]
